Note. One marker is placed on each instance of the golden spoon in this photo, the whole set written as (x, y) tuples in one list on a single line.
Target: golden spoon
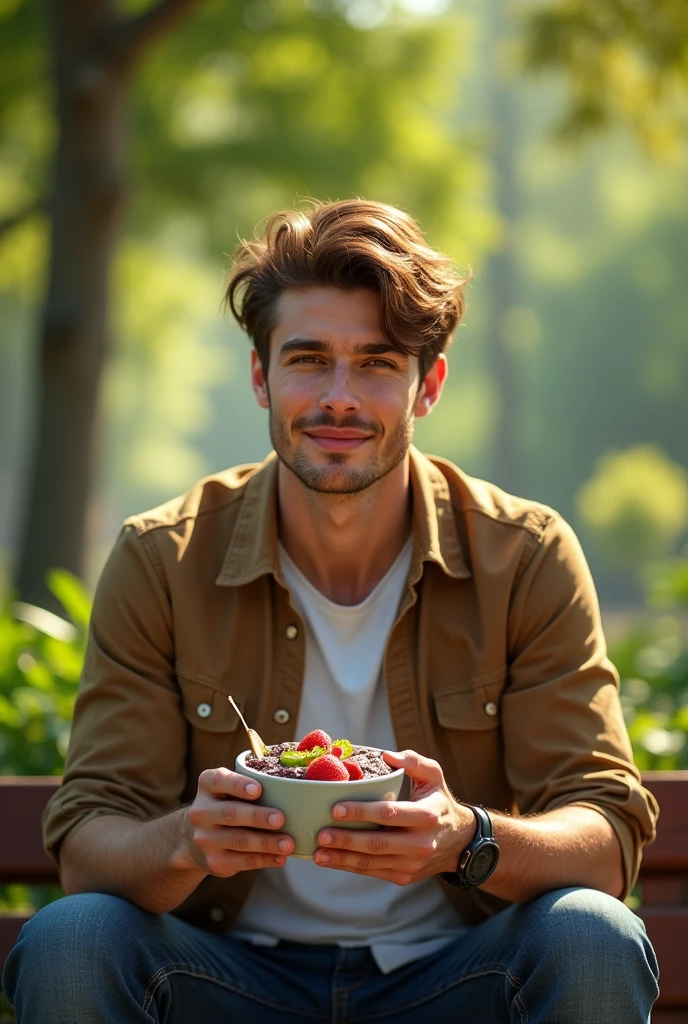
[(257, 746)]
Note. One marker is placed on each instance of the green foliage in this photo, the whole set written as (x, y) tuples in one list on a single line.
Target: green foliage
[(652, 660), (41, 656), (636, 504), (624, 61)]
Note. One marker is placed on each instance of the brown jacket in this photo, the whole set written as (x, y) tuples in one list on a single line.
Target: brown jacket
[(496, 665)]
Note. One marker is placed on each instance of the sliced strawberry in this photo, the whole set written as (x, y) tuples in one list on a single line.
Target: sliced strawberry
[(336, 751), (327, 769), (355, 771), (316, 738)]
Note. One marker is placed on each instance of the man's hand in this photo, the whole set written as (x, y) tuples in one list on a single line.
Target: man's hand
[(228, 833), (422, 836)]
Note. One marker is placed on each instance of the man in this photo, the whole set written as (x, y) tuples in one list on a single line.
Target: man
[(353, 584)]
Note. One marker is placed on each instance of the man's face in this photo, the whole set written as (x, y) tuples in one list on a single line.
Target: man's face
[(342, 400)]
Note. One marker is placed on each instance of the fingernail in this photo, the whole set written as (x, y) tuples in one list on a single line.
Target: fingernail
[(279, 860), (273, 819), (251, 789), (339, 811), (283, 844), (323, 858), (326, 838)]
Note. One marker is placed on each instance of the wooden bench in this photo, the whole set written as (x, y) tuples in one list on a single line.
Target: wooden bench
[(663, 878)]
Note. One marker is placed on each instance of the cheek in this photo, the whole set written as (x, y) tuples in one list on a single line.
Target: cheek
[(391, 400), (290, 394)]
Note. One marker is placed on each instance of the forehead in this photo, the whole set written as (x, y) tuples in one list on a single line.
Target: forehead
[(327, 314)]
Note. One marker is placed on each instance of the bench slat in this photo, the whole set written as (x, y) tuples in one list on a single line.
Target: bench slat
[(22, 858), (669, 852), (667, 928)]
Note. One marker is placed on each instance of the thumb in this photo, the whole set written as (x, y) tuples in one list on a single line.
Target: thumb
[(417, 767)]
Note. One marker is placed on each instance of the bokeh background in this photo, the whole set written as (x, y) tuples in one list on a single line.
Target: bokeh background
[(542, 144)]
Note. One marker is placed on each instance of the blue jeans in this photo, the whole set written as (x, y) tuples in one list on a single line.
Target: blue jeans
[(574, 955)]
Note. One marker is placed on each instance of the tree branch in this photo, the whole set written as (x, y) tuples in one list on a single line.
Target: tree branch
[(15, 219), (135, 34)]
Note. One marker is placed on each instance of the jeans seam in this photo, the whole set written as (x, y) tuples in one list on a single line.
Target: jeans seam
[(487, 969), (518, 1000), (194, 972)]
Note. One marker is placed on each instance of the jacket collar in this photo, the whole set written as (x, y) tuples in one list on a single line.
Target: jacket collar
[(253, 549)]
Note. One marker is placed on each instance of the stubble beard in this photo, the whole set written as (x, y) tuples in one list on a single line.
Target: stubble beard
[(337, 477)]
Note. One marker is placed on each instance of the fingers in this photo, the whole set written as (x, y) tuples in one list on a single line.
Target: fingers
[(214, 804), (218, 842), (223, 865), (232, 832), (392, 813), (416, 766), (388, 868), (223, 782), (381, 845)]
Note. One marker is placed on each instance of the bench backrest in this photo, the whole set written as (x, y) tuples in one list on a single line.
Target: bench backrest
[(663, 877)]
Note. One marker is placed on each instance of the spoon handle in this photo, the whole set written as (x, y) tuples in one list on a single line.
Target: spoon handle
[(258, 748)]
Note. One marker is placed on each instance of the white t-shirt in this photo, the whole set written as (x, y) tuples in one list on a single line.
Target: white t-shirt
[(344, 693)]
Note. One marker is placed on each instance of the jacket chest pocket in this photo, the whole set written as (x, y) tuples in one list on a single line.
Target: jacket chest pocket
[(207, 708), (469, 723), (475, 709), (215, 734)]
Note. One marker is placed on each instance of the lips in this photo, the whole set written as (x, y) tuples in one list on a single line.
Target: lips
[(338, 439), (339, 433)]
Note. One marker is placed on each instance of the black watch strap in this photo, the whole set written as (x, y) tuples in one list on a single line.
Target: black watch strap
[(477, 862), (484, 821)]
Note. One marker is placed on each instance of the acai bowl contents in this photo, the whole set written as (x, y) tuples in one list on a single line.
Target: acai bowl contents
[(321, 759), (306, 778)]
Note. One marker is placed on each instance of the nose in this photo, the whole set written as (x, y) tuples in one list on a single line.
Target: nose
[(338, 396)]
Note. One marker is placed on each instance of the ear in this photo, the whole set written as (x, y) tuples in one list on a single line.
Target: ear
[(259, 382), (431, 388)]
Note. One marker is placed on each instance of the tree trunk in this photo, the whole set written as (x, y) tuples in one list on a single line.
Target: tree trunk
[(85, 206), (94, 50)]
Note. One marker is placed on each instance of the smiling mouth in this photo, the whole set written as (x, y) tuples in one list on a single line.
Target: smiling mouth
[(342, 440)]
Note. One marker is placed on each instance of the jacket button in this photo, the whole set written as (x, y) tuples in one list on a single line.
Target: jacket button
[(291, 632), (490, 708), (204, 710), (217, 914), (281, 716)]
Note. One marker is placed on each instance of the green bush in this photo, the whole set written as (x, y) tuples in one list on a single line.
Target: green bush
[(41, 656), (652, 659)]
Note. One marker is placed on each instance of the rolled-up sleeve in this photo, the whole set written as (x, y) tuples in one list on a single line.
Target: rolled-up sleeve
[(128, 741), (565, 738)]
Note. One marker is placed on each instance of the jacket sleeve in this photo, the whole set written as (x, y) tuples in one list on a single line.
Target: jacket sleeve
[(564, 734), (128, 741)]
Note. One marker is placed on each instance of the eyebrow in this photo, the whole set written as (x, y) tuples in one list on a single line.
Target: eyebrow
[(373, 348)]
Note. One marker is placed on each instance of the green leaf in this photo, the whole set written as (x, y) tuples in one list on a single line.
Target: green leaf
[(300, 758), (294, 758), (347, 748), (72, 595)]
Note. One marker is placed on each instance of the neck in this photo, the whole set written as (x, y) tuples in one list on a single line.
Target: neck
[(345, 543)]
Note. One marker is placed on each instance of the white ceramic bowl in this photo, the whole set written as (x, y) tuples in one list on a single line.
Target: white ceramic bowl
[(307, 803)]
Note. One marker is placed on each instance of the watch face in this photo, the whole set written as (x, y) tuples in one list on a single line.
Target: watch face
[(482, 863)]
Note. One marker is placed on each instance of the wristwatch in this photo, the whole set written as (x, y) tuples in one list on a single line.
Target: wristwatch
[(479, 859)]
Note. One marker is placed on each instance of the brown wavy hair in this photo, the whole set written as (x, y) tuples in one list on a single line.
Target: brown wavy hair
[(354, 243)]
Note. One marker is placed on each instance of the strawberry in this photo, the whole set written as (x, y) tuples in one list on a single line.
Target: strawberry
[(327, 769), (355, 771), (336, 751), (316, 738)]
